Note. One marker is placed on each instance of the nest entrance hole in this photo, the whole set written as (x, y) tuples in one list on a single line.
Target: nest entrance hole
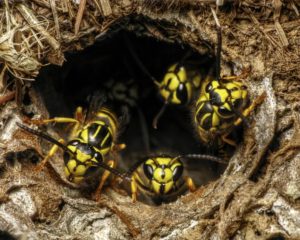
[(93, 69)]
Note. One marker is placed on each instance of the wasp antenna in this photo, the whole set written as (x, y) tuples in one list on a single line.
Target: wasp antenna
[(205, 157), (240, 115), (44, 136), (219, 44), (134, 167), (158, 115), (156, 83), (114, 171), (185, 57), (137, 59)]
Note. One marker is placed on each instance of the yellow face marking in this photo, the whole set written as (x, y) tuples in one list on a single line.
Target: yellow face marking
[(215, 84), (67, 172), (81, 156), (71, 165), (168, 187), (175, 165), (163, 175), (231, 85), (172, 81), (80, 170), (156, 187), (222, 93), (165, 94), (167, 184), (182, 74), (72, 148), (161, 181), (151, 163), (163, 160), (238, 94), (189, 89), (179, 76)]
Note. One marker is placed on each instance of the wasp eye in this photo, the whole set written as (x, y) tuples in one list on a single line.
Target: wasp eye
[(182, 93), (224, 111), (74, 143), (177, 172), (208, 87), (98, 157), (148, 170), (181, 86)]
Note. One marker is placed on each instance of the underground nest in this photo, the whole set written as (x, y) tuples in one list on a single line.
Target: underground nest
[(258, 194)]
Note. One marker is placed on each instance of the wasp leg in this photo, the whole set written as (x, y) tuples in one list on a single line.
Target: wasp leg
[(227, 140), (233, 78), (245, 113), (78, 115), (133, 189), (59, 120), (244, 74), (104, 177), (56, 120), (118, 147), (116, 179), (190, 184), (50, 154), (253, 105), (77, 121)]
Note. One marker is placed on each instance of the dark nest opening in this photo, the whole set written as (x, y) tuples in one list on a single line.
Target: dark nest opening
[(108, 68)]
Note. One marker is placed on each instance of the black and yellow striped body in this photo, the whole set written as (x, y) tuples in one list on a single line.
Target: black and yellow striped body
[(93, 142), (159, 175), (101, 132), (179, 84), (219, 104), (91, 139)]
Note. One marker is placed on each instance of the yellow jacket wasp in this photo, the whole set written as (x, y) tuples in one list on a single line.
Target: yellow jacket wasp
[(178, 85), (162, 176), (89, 145), (222, 104)]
